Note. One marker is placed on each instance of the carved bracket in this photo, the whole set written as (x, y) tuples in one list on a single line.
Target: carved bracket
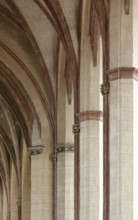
[(35, 150), (105, 89), (76, 129), (60, 148)]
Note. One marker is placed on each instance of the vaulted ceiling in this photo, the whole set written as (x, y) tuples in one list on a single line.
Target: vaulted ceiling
[(32, 35)]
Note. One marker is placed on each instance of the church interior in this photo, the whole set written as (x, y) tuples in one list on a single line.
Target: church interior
[(68, 109)]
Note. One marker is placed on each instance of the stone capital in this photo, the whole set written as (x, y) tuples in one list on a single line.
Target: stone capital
[(76, 129), (35, 150), (105, 88), (61, 148)]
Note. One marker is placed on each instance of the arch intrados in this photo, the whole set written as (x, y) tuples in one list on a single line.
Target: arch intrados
[(19, 102)]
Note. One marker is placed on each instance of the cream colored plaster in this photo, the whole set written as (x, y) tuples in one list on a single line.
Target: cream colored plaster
[(43, 32), (121, 35), (31, 90), (65, 111), (90, 77), (13, 38), (72, 8)]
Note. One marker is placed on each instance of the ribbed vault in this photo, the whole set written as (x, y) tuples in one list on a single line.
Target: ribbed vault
[(33, 35)]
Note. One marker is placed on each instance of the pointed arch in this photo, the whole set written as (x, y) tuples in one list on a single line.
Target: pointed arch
[(19, 102)]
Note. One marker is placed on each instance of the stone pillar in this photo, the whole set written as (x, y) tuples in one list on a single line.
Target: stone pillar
[(123, 110), (65, 182), (5, 205), (91, 128), (123, 143), (14, 195), (1, 201), (26, 188), (19, 204), (41, 183), (8, 216)]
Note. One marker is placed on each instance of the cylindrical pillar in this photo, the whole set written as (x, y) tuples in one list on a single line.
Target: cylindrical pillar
[(1, 201), (8, 216), (14, 195), (65, 182), (91, 129), (26, 189), (123, 143), (41, 183), (19, 204)]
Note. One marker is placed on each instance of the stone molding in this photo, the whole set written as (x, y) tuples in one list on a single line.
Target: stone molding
[(35, 150), (122, 73), (62, 148), (90, 115)]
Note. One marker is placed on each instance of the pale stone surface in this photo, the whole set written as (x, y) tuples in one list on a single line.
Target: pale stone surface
[(4, 206), (37, 170), (26, 190), (47, 44), (90, 79), (135, 152), (41, 186), (65, 186), (14, 195), (90, 170), (123, 43), (120, 37), (65, 118), (123, 150)]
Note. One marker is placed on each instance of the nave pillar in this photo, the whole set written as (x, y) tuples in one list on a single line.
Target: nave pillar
[(90, 118), (6, 211), (41, 182), (64, 146), (14, 195), (123, 105), (65, 182), (65, 164), (123, 143), (1, 201), (24, 203)]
